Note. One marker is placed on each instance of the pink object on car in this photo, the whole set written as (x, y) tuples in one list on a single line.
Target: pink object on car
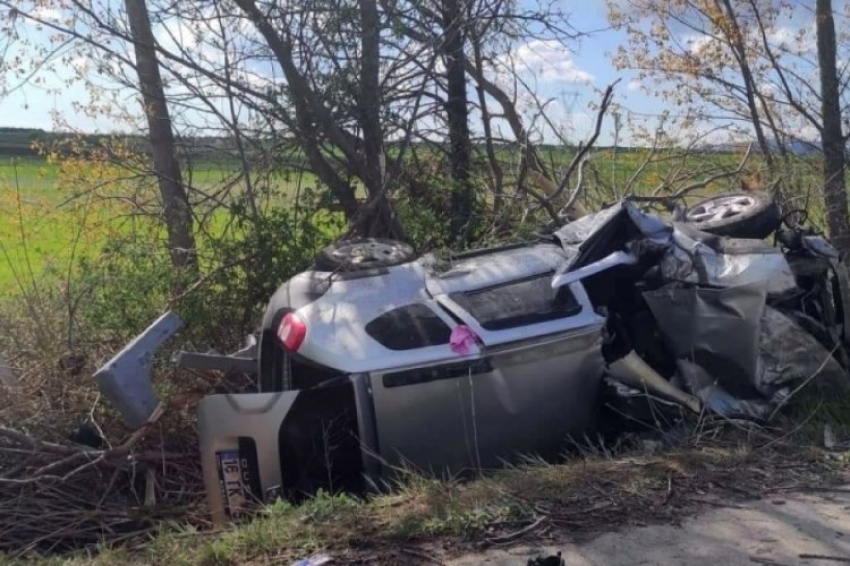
[(462, 338)]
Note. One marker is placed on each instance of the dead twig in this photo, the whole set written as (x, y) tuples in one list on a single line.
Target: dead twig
[(212, 274), (715, 503), (607, 97), (578, 187), (824, 557), (517, 534), (766, 561), (642, 167), (421, 555), (684, 191), (27, 440), (804, 383)]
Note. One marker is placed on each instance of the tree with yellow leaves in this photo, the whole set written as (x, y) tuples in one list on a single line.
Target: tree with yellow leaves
[(748, 63)]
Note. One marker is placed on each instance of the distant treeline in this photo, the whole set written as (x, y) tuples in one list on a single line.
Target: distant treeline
[(24, 142)]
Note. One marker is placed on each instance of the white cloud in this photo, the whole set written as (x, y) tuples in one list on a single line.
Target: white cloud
[(798, 39), (801, 39), (549, 60), (47, 14), (698, 44), (768, 89), (634, 86), (81, 64), (176, 35)]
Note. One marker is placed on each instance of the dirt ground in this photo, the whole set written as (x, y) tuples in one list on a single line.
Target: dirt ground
[(791, 529)]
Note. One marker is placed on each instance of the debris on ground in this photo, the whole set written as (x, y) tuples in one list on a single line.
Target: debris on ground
[(314, 560), (554, 560)]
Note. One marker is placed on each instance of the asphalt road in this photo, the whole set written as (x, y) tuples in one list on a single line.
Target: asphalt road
[(810, 528)]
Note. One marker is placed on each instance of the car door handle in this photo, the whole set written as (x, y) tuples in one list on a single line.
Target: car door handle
[(437, 373)]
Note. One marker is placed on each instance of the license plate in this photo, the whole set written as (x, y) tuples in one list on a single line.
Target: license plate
[(232, 472)]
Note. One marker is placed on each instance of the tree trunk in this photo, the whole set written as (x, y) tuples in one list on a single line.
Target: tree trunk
[(495, 167), (832, 140), (314, 122), (458, 117), (175, 203), (369, 102), (379, 220), (735, 37)]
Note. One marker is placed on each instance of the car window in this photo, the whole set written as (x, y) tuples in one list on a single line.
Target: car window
[(518, 303), (409, 327)]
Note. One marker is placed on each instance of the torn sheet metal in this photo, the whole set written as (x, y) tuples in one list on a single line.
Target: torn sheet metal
[(719, 329), (816, 245), (842, 279), (632, 371), (698, 382), (126, 379), (726, 263), (626, 408), (595, 236), (788, 355), (737, 355)]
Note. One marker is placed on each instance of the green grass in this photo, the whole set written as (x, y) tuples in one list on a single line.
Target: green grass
[(34, 234), (34, 176), (47, 221), (41, 229), (45, 224)]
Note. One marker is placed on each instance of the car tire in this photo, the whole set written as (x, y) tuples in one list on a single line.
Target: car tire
[(752, 215), (363, 254)]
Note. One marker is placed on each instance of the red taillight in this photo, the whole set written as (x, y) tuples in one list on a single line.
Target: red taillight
[(291, 332)]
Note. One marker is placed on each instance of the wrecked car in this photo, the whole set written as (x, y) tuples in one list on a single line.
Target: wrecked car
[(376, 360)]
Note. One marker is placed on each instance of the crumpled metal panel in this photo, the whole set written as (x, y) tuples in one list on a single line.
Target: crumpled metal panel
[(740, 357), (592, 237), (493, 269), (695, 380), (578, 231), (690, 261), (716, 328), (789, 355), (519, 399)]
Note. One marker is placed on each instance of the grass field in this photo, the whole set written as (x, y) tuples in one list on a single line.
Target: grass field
[(48, 221), (35, 231)]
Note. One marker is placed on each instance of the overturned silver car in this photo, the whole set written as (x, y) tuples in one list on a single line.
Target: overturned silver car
[(377, 360)]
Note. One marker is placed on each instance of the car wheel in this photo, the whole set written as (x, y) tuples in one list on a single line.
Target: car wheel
[(744, 215), (364, 253)]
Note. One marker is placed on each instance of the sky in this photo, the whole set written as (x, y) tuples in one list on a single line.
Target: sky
[(571, 79)]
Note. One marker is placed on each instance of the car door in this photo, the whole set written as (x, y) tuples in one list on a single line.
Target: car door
[(544, 349), (530, 383)]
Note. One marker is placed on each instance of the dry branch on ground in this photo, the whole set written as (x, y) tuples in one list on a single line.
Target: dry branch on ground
[(60, 496)]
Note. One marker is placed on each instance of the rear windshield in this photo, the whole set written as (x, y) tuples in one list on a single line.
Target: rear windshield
[(409, 327), (518, 303)]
